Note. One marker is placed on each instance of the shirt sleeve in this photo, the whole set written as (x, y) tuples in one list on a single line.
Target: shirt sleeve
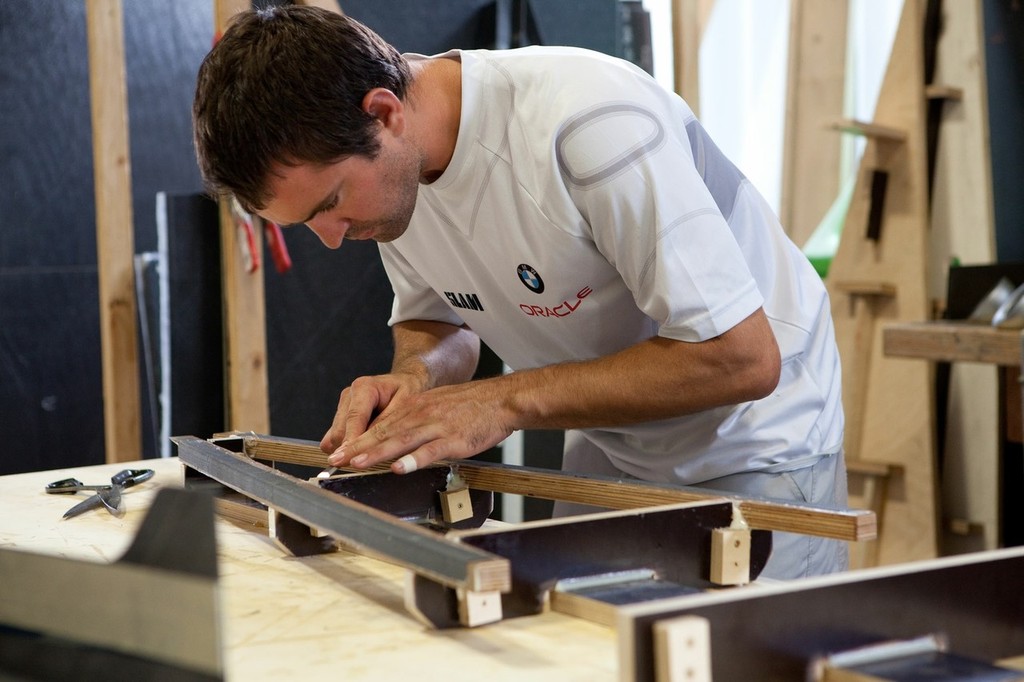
[(414, 300), (631, 171)]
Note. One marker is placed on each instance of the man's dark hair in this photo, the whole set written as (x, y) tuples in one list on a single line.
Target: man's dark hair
[(285, 86)]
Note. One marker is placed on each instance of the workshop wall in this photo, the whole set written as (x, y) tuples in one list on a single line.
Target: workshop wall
[(326, 319), (51, 397), (1004, 65)]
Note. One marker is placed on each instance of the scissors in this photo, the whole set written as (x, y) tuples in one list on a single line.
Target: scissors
[(107, 495)]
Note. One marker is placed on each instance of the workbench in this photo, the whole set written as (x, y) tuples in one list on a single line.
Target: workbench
[(961, 341), (337, 615), (342, 615)]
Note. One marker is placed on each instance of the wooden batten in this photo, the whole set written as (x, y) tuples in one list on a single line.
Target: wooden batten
[(246, 402), (115, 230), (850, 525)]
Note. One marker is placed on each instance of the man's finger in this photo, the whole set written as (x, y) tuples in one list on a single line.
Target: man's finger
[(405, 464)]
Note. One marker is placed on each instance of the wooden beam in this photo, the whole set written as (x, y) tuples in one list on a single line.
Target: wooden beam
[(115, 231), (844, 524), (952, 342)]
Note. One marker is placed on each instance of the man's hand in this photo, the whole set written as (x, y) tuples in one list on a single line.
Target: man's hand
[(366, 397), (450, 422)]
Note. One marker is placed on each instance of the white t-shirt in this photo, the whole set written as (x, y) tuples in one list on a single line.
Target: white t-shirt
[(584, 210)]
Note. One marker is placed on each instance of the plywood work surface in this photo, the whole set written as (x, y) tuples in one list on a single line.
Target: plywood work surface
[(334, 616)]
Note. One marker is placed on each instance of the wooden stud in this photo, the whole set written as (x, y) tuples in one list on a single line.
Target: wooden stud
[(115, 231), (682, 649), (814, 95), (246, 405)]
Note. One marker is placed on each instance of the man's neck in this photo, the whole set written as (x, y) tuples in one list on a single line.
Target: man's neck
[(436, 101)]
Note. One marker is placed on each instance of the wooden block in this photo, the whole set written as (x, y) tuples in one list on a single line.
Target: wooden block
[(944, 92), (479, 608), (456, 505), (873, 130), (682, 650), (730, 556)]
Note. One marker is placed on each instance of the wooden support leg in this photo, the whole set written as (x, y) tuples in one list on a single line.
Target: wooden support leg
[(297, 538), (682, 650), (874, 493)]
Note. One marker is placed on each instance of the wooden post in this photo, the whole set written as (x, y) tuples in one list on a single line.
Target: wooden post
[(115, 238), (689, 17), (246, 405), (963, 226), (814, 98)]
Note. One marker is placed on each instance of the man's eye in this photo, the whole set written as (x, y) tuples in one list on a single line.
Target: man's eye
[(328, 207)]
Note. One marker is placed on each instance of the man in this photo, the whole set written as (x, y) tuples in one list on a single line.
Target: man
[(563, 207)]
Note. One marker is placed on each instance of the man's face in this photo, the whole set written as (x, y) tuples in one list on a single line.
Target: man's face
[(356, 198)]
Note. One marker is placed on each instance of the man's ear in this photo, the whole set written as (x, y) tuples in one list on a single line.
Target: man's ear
[(384, 106)]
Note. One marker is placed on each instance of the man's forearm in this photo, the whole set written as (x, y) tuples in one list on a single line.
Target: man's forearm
[(438, 353), (656, 379)]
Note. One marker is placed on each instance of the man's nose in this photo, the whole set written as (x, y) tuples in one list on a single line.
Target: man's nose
[(331, 231)]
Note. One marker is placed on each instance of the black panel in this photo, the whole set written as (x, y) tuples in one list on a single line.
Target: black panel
[(45, 139), (772, 637), (1004, 67), (673, 543), (427, 27), (50, 398), (51, 405), (196, 337), (593, 24), (164, 43), (326, 326)]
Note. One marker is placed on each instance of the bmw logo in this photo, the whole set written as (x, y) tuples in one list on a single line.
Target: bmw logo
[(529, 277)]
